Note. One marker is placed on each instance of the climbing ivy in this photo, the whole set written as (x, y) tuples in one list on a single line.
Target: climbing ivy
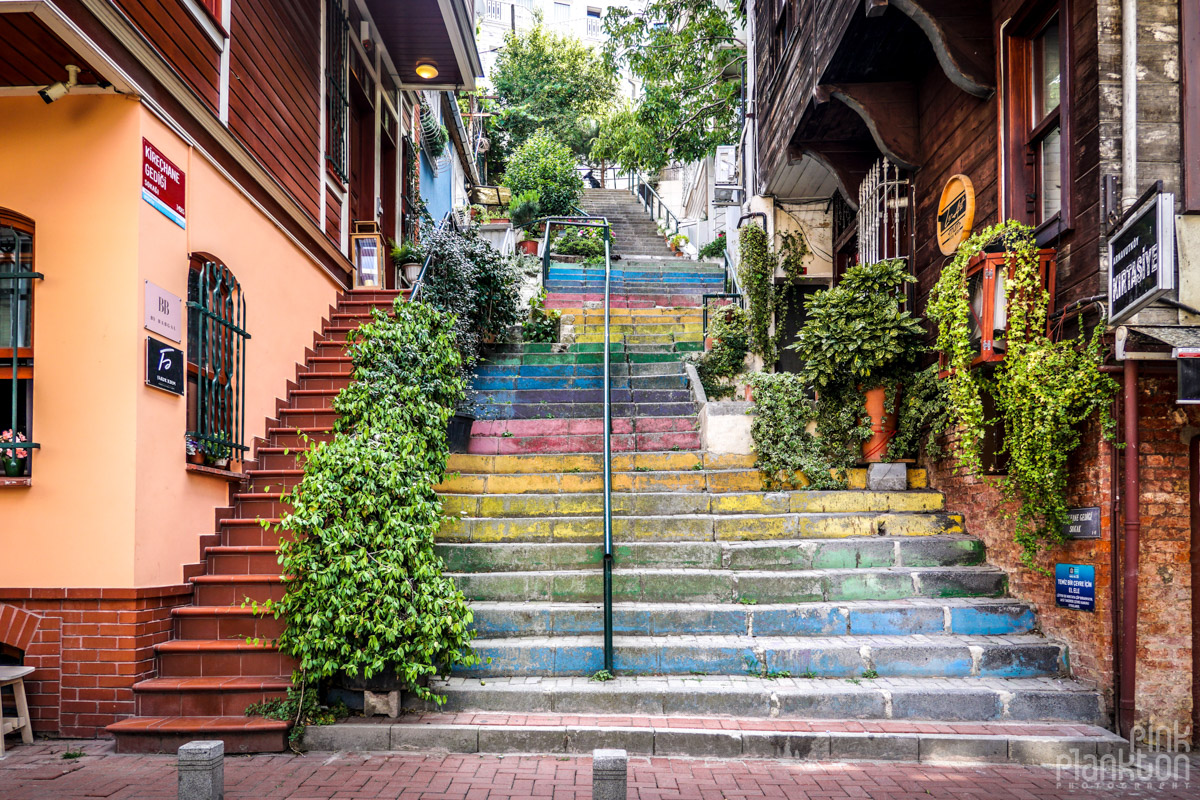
[(365, 593), (728, 328), (1043, 389), (786, 447), (767, 301)]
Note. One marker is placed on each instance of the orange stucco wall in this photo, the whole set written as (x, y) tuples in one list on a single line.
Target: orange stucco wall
[(111, 503)]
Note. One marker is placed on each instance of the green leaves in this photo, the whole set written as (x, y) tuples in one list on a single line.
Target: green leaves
[(1044, 390), (542, 163), (730, 334), (688, 58), (365, 593)]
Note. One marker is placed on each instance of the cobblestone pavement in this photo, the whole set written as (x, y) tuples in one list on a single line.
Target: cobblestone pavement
[(41, 772)]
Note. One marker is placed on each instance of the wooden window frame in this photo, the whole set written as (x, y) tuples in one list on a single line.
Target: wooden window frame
[(1022, 183), (25, 224), (1189, 43)]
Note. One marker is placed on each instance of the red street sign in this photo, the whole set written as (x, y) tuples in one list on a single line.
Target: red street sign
[(162, 184)]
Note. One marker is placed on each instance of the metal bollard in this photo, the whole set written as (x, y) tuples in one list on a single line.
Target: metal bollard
[(609, 769), (202, 771)]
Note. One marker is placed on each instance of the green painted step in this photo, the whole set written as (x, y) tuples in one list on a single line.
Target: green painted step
[(733, 586), (932, 551)]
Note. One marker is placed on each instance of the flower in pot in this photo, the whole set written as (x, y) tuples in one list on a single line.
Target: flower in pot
[(13, 457), (528, 243), (194, 450), (677, 242), (858, 345), (217, 456), (408, 257)]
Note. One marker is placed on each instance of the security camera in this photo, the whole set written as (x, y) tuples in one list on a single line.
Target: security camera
[(58, 90)]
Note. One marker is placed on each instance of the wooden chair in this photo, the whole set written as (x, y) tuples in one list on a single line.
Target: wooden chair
[(15, 677)]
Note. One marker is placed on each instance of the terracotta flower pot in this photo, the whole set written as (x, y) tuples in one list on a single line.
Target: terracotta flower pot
[(883, 425), (528, 247)]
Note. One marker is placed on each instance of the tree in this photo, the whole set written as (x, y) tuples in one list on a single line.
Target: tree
[(544, 81), (546, 165), (688, 58)]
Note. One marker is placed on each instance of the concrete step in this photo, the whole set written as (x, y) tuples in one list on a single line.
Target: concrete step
[(640, 585), (964, 616), (624, 300), (510, 383), (877, 552), (788, 739), (661, 504), (561, 396), (580, 410), (619, 443), (746, 696), (944, 656)]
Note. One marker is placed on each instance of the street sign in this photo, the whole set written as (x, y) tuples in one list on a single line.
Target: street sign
[(1075, 586), (1141, 257), (163, 185), (1083, 523)]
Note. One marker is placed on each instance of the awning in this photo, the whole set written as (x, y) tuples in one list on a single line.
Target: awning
[(438, 32)]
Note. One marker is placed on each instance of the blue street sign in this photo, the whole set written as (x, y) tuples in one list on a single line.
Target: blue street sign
[(1075, 586)]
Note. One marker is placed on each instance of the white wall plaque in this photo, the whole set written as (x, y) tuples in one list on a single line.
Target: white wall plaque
[(164, 312)]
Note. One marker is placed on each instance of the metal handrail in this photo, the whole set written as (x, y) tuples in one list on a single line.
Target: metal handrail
[(603, 224), (420, 281), (643, 191), (731, 277), (704, 298)]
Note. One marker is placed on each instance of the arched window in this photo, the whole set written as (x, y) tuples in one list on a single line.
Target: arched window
[(17, 278), (216, 349)]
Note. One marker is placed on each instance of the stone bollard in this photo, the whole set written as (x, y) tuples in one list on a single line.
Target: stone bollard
[(609, 774), (202, 771)]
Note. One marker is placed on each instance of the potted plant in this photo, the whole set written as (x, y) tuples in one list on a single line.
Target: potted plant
[(13, 458), (194, 450), (217, 457), (677, 242), (858, 345), (479, 214), (528, 243), (408, 257)]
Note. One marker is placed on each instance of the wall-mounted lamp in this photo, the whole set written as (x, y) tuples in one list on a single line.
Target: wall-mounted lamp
[(427, 69)]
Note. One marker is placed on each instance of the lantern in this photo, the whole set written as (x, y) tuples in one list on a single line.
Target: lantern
[(366, 243), (987, 277)]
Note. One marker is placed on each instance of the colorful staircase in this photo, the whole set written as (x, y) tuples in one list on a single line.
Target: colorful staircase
[(207, 673)]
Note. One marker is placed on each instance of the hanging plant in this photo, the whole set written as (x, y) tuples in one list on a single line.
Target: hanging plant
[(730, 336), (1043, 389)]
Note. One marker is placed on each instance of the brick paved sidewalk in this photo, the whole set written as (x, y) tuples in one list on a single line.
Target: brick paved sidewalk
[(40, 772)]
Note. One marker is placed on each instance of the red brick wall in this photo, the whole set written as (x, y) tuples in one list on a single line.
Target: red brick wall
[(1164, 591), (88, 648)]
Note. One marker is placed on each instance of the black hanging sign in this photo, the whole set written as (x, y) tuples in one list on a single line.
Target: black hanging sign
[(1083, 523), (1141, 256), (164, 366)]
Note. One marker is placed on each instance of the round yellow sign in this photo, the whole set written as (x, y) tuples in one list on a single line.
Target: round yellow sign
[(956, 213)]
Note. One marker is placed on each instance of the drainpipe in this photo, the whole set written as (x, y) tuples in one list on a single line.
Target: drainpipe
[(1127, 707), (1129, 184)]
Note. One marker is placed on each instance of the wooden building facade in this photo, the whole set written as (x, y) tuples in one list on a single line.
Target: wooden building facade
[(874, 106)]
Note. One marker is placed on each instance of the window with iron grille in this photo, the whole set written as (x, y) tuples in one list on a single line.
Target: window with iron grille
[(17, 277), (410, 219), (337, 100), (216, 360)]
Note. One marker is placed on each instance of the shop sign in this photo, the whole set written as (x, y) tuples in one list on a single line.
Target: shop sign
[(163, 184), (164, 366), (1141, 257), (1075, 586), (163, 313), (955, 214), (1083, 523)]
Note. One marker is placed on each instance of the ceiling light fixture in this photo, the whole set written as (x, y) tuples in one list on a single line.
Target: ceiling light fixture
[(427, 69)]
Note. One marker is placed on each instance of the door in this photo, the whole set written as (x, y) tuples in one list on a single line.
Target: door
[(362, 154), (1194, 495), (796, 296)]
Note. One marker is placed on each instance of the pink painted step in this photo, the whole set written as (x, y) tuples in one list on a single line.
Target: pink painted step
[(586, 426), (571, 300)]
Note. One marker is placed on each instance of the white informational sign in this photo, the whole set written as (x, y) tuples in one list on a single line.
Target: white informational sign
[(164, 312), (1141, 257)]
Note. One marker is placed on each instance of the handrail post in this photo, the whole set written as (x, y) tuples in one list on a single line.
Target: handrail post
[(608, 548)]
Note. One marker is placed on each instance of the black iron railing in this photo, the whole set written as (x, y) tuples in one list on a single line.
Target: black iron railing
[(217, 346)]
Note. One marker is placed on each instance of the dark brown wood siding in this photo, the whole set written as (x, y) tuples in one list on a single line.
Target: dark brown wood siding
[(274, 91), (178, 37)]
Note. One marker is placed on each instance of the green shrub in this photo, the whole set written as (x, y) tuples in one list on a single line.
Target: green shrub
[(729, 329), (473, 281), (586, 242), (542, 324), (545, 165), (524, 208), (365, 592), (715, 248)]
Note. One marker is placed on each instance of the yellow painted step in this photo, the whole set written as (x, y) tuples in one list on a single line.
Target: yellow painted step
[(593, 462)]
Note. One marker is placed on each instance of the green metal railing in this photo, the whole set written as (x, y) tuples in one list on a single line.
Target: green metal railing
[(217, 309), (18, 280), (586, 221), (447, 219), (650, 200)]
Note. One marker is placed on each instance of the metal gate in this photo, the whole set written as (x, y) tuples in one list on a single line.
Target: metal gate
[(217, 346)]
